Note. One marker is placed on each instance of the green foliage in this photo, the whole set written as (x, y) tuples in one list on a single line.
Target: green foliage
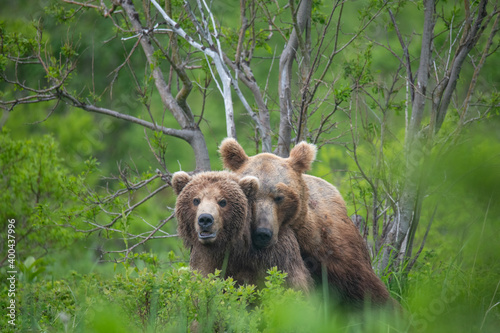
[(59, 12), (19, 43), (342, 93), (30, 269), (359, 69), (178, 300), (47, 181), (34, 193), (3, 63), (317, 13), (163, 302)]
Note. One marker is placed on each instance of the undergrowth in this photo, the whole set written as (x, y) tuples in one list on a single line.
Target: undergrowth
[(433, 298), (178, 300)]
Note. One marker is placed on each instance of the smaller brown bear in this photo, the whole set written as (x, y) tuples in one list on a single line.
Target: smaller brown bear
[(214, 212)]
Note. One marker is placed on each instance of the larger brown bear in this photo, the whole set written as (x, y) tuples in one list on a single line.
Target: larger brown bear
[(214, 212), (317, 213)]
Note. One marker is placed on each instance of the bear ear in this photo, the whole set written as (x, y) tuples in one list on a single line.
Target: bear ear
[(302, 156), (179, 181), (233, 155), (249, 185)]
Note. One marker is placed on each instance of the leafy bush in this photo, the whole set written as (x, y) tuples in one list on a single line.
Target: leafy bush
[(171, 301), (179, 300), (34, 193)]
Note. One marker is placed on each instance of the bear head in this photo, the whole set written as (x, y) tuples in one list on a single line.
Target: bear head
[(282, 195), (212, 207)]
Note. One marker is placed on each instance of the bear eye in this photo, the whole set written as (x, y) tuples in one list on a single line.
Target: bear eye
[(196, 201), (223, 203), (279, 199)]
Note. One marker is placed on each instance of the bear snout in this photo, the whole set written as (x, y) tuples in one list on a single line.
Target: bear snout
[(262, 237), (205, 221), (206, 233)]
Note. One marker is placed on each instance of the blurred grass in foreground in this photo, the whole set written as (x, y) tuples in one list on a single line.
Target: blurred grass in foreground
[(436, 298)]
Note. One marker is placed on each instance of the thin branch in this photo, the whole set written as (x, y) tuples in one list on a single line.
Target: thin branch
[(338, 50), (260, 120), (183, 116), (128, 210), (116, 71), (469, 39), (185, 134), (243, 29), (81, 4), (216, 57), (406, 55), (161, 224), (478, 68), (187, 86), (414, 260)]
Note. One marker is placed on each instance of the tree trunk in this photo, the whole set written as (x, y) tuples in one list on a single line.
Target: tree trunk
[(285, 78), (407, 210)]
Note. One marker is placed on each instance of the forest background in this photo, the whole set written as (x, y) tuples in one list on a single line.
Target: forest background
[(402, 102)]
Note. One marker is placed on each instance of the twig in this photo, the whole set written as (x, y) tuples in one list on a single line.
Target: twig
[(406, 54), (161, 224), (414, 260)]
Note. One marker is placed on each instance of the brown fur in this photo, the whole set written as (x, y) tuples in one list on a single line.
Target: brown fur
[(317, 213), (231, 224)]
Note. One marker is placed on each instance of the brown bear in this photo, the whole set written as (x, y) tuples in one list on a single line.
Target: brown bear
[(317, 213), (214, 212)]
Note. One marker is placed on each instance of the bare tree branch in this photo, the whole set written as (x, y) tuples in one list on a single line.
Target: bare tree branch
[(183, 117), (150, 236), (262, 119), (472, 86), (471, 34), (409, 73), (185, 134)]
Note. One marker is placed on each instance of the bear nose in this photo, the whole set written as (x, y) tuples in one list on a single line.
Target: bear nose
[(262, 237), (205, 221)]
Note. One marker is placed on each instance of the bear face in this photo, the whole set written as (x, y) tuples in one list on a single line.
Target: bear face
[(212, 207), (214, 211), (282, 196)]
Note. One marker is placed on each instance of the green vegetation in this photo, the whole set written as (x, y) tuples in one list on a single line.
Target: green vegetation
[(173, 302), (454, 284), (65, 172)]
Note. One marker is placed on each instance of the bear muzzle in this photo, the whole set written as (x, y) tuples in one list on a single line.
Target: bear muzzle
[(205, 223), (262, 237)]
